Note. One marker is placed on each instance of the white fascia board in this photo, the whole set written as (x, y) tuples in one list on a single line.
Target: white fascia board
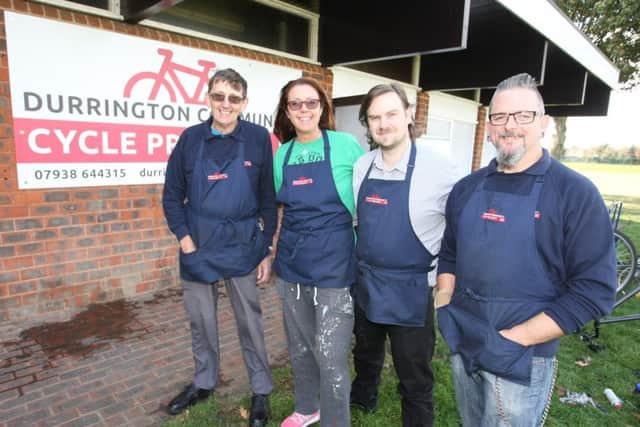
[(350, 82), (546, 18)]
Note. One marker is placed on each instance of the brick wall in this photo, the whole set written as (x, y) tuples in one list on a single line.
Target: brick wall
[(65, 248), (479, 138), (422, 112)]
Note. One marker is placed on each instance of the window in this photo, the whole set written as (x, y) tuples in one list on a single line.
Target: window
[(108, 8), (100, 4), (438, 128), (262, 23)]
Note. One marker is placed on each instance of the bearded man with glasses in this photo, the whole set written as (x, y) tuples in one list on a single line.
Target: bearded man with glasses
[(219, 201), (527, 257)]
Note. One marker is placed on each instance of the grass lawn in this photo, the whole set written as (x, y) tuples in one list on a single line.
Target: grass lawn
[(622, 180), (616, 366)]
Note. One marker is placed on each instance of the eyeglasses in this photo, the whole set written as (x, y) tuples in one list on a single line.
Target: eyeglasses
[(220, 97), (521, 117), (311, 104)]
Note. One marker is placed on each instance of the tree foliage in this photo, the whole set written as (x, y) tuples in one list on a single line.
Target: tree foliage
[(614, 27)]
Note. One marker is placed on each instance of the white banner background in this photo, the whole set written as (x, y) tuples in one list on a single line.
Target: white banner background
[(75, 123)]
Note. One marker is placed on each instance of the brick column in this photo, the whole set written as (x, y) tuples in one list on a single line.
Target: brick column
[(422, 111), (324, 76), (479, 138)]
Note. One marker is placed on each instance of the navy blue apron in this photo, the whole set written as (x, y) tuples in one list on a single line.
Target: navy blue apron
[(222, 215), (393, 264), (316, 244), (500, 282)]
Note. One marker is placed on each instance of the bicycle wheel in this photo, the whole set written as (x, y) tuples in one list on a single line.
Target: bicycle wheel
[(625, 262)]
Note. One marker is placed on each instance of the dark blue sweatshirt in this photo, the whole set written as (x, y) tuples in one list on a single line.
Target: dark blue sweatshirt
[(573, 236), (220, 147)]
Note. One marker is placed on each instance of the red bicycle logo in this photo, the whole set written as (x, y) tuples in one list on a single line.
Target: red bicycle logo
[(167, 79)]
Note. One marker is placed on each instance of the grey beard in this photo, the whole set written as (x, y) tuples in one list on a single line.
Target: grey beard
[(509, 160)]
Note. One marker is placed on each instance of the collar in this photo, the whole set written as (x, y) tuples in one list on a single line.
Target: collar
[(538, 168), (400, 166), (237, 134)]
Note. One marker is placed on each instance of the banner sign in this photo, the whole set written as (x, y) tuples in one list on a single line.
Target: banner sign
[(92, 107)]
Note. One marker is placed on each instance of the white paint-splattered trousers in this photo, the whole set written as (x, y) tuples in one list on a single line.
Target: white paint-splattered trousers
[(319, 326)]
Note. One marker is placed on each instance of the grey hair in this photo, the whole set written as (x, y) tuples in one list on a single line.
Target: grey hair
[(519, 81), (230, 76)]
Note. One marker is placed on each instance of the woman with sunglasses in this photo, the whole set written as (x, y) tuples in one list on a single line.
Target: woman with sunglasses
[(315, 258)]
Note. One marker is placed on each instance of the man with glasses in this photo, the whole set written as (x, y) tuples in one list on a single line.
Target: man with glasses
[(527, 256), (219, 201)]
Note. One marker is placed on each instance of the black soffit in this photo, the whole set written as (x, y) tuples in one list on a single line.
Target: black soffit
[(596, 101), (563, 81), (595, 98), (356, 31), (499, 45)]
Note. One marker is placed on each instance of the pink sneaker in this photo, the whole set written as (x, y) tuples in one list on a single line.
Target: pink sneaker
[(298, 420)]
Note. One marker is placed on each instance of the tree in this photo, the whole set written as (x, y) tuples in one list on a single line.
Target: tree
[(614, 27), (632, 154), (558, 151)]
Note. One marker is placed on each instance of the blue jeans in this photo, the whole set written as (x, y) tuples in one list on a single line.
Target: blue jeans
[(485, 399)]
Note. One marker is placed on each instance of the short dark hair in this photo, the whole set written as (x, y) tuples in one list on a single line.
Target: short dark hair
[(283, 128), (230, 76), (375, 92)]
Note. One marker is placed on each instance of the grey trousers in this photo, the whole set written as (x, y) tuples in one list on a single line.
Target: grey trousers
[(319, 340), (201, 304)]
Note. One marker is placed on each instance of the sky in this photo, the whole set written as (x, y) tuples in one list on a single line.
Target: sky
[(620, 128)]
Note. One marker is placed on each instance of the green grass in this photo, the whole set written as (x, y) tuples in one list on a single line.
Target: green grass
[(585, 167), (616, 366), (621, 180)]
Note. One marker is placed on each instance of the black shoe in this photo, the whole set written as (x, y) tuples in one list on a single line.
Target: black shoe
[(187, 397), (259, 410)]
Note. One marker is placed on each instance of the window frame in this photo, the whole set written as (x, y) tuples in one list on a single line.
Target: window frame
[(112, 12), (312, 18)]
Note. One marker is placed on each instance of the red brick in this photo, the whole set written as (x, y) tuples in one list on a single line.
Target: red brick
[(65, 15), (23, 287), (80, 18), (479, 137), (9, 302), (13, 212), (29, 248)]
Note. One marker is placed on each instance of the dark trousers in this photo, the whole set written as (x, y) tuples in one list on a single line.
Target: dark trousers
[(412, 350)]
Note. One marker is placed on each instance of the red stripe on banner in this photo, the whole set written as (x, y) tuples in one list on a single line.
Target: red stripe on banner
[(60, 141)]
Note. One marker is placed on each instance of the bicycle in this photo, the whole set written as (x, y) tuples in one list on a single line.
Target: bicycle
[(626, 265), (626, 255), (167, 79)]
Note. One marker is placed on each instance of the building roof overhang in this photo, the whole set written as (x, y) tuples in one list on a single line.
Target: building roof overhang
[(471, 44)]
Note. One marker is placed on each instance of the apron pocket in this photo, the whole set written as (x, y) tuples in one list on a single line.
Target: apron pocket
[(506, 358), (464, 332), (253, 243), (448, 328), (391, 297), (191, 266)]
